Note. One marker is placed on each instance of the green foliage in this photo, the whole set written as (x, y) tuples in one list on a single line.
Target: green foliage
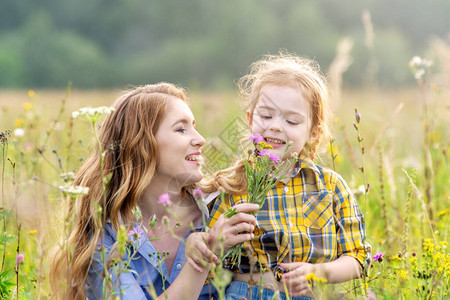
[(6, 282), (94, 44)]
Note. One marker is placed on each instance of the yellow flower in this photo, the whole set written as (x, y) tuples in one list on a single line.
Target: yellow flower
[(32, 232), (312, 276), (265, 146), (18, 122), (31, 93), (403, 274), (428, 246), (443, 212), (27, 106)]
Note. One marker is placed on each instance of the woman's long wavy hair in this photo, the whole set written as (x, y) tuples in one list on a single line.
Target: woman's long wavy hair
[(127, 139), (281, 70)]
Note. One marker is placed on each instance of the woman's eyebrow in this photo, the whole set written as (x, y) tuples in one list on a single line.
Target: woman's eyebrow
[(183, 121)]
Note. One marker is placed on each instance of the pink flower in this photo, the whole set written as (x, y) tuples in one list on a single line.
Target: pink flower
[(198, 193), (378, 256), (272, 157), (19, 258), (164, 199), (256, 138)]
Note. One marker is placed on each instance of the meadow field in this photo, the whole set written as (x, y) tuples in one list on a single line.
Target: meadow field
[(395, 159)]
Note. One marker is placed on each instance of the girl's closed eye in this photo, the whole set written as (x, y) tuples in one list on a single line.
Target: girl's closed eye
[(290, 122), (182, 130), (265, 117)]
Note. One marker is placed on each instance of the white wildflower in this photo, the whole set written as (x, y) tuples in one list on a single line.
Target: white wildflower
[(419, 73), (19, 132), (419, 66), (74, 190), (361, 189), (415, 61), (92, 114)]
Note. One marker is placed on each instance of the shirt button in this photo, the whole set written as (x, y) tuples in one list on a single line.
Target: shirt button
[(286, 189), (179, 266), (290, 224)]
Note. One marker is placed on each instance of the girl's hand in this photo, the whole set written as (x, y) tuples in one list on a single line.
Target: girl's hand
[(198, 254), (295, 278), (228, 232)]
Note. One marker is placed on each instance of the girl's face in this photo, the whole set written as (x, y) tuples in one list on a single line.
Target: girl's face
[(179, 146), (281, 115)]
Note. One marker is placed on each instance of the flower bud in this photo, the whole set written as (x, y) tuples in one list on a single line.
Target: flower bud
[(357, 116)]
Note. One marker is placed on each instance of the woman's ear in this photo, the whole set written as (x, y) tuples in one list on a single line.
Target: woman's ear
[(249, 120)]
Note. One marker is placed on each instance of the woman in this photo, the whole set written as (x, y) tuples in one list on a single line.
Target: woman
[(151, 153)]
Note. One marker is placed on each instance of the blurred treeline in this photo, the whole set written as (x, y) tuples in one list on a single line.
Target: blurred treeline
[(205, 43)]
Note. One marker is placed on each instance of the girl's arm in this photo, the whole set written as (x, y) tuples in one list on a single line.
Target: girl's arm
[(343, 269)]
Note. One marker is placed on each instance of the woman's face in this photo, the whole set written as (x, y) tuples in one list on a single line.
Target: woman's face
[(178, 146)]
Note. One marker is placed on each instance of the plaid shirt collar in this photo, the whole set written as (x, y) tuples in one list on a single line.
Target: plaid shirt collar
[(304, 162)]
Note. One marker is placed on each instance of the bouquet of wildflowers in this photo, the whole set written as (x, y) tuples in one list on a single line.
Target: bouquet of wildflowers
[(263, 170)]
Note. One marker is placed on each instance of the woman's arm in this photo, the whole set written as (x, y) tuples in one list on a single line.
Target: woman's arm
[(187, 285), (226, 233)]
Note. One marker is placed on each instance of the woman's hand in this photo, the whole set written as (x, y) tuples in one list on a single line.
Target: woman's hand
[(198, 254), (228, 232), (295, 278)]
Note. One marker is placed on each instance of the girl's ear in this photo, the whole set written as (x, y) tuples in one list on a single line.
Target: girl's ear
[(249, 119), (314, 134)]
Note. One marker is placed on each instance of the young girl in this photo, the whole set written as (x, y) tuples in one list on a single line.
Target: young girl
[(310, 222), (151, 148)]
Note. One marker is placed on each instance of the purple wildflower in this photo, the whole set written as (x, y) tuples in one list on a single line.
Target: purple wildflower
[(256, 138), (198, 193), (136, 233), (378, 256), (19, 258), (357, 116), (272, 157), (164, 199)]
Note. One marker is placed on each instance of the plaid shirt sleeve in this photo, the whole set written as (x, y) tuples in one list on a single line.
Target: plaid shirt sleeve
[(313, 218), (349, 223), (219, 206)]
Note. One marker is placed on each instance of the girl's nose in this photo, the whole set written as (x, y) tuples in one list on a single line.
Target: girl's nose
[(275, 125)]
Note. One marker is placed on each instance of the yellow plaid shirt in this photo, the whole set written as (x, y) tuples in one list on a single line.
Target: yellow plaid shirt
[(313, 218)]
